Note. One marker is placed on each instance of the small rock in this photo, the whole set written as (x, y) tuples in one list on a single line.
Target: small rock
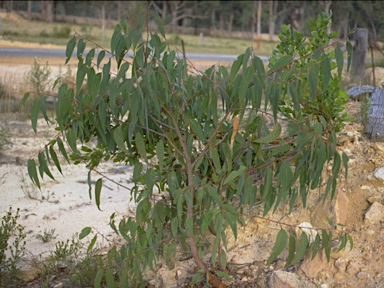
[(352, 268), (362, 275), (282, 279), (375, 213), (379, 173), (60, 285), (314, 267), (324, 285), (365, 187), (374, 198), (340, 265), (378, 147)]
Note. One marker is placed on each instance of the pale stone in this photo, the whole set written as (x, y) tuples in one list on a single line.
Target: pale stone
[(60, 285), (362, 275), (379, 173), (374, 198), (352, 268), (282, 279), (341, 208), (375, 213), (314, 267), (28, 275), (340, 265)]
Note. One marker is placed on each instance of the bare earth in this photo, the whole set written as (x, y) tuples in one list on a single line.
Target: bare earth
[(64, 205)]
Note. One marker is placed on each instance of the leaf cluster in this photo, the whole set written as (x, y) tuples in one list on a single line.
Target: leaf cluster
[(199, 139)]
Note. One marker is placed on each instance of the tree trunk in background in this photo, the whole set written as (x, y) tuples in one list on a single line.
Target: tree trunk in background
[(108, 16), (359, 54), (272, 18), (230, 21), (46, 10), (258, 30), (221, 24), (253, 23), (29, 9), (213, 26), (118, 10), (8, 5)]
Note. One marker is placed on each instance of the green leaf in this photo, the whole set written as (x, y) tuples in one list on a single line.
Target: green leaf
[(291, 250), (281, 241), (55, 159), (233, 175), (301, 248), (25, 98), (336, 164), (343, 242), (85, 232), (119, 139), (99, 278), (235, 67), (222, 274), (62, 149), (339, 59), (282, 62), (35, 113), (160, 153), (326, 241), (109, 278), (326, 71), (33, 172), (196, 128), (92, 243), (315, 246), (349, 52), (140, 146), (100, 58), (98, 185), (271, 136), (69, 50), (43, 166)]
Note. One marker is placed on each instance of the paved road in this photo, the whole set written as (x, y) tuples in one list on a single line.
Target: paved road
[(23, 52)]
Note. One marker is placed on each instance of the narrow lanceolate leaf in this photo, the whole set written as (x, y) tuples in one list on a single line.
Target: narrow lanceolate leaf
[(233, 175), (84, 233), (291, 250), (44, 166), (160, 153), (92, 243), (98, 185), (336, 164), (326, 71), (339, 59), (196, 129), (35, 113), (282, 62), (235, 67), (109, 279), (33, 172), (301, 248), (69, 50), (140, 146), (349, 51), (25, 98), (98, 278), (55, 159), (62, 149), (326, 241), (281, 241), (119, 139), (100, 57), (271, 136)]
